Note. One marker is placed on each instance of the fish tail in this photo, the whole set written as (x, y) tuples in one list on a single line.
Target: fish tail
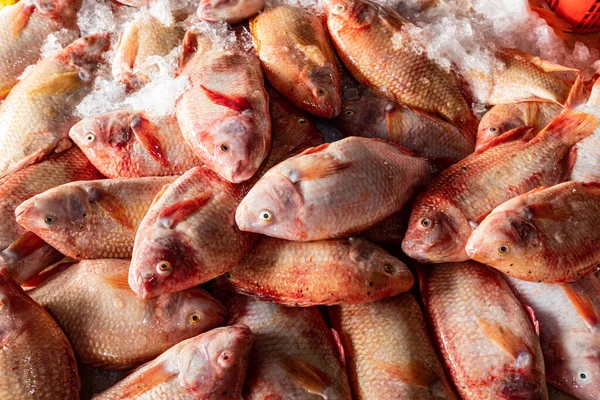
[(570, 127)]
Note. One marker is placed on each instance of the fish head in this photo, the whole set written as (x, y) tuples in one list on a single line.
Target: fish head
[(320, 90), (522, 380), (87, 51), (348, 14), (57, 214), (506, 238), (437, 231), (494, 124), (272, 208), (236, 148), (162, 263), (364, 116), (216, 361), (63, 9), (188, 313)]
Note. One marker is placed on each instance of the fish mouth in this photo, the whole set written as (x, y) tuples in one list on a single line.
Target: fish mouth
[(22, 214), (144, 285)]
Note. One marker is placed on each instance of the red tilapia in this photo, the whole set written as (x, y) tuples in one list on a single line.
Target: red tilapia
[(91, 219), (36, 359), (109, 326), (340, 271), (333, 190), (129, 144), (587, 162), (485, 336), (22, 252), (224, 114), (548, 235), (568, 316), (446, 213), (230, 11), (36, 116), (210, 366), (388, 351)]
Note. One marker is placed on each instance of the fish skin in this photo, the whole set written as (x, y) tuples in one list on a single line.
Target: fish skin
[(210, 366), (36, 359), (389, 231), (229, 11), (118, 152), (18, 51), (82, 226), (144, 38), (197, 237), (297, 59), (55, 170), (462, 301), (332, 191), (463, 194), (35, 117), (372, 44), (109, 326), (390, 333), (284, 336), (587, 163), (369, 115), (569, 344), (502, 118), (339, 271), (224, 114), (550, 235)]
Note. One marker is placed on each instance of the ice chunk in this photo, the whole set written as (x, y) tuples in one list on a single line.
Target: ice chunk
[(96, 16), (57, 41)]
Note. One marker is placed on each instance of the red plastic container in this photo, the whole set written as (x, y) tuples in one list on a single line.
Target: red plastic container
[(583, 15)]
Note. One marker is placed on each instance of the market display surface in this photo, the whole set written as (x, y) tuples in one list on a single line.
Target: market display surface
[(336, 199)]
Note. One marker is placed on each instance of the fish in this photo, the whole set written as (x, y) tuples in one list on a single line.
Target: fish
[(142, 41), (130, 144), (209, 366), (380, 54), (91, 219), (333, 190), (526, 78), (390, 230), (546, 235), (294, 355), (505, 117), (24, 27), (36, 116), (229, 11), (587, 161), (388, 351), (372, 116), (568, 320), (36, 359), (338, 271), (112, 328), (297, 59), (486, 339), (188, 235), (456, 201), (21, 251), (224, 114)]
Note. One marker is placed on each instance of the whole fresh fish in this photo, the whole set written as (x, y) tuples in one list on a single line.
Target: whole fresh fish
[(333, 190), (380, 54), (109, 326), (141, 43), (91, 219), (129, 144), (294, 356), (547, 235), (587, 163), (209, 366), (21, 251), (36, 116), (369, 115), (505, 117), (568, 318), (389, 354), (340, 271), (230, 11), (224, 114), (486, 339), (188, 236), (445, 214), (297, 59), (24, 27), (36, 359)]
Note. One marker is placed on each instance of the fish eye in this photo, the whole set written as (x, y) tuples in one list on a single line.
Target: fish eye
[(425, 222), (494, 129), (321, 91), (582, 375), (90, 137), (503, 249), (49, 220), (224, 148), (266, 216), (226, 359), (349, 113), (302, 121), (164, 267), (339, 8), (388, 269), (194, 319)]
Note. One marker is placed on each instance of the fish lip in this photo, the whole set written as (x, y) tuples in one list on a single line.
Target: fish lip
[(143, 285), (21, 211)]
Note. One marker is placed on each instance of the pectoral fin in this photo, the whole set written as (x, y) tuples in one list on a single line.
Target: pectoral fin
[(118, 280), (583, 305), (146, 133), (305, 375), (504, 338), (178, 212), (112, 206), (144, 382), (59, 84)]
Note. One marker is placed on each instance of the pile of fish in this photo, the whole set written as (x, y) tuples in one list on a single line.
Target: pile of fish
[(428, 254)]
